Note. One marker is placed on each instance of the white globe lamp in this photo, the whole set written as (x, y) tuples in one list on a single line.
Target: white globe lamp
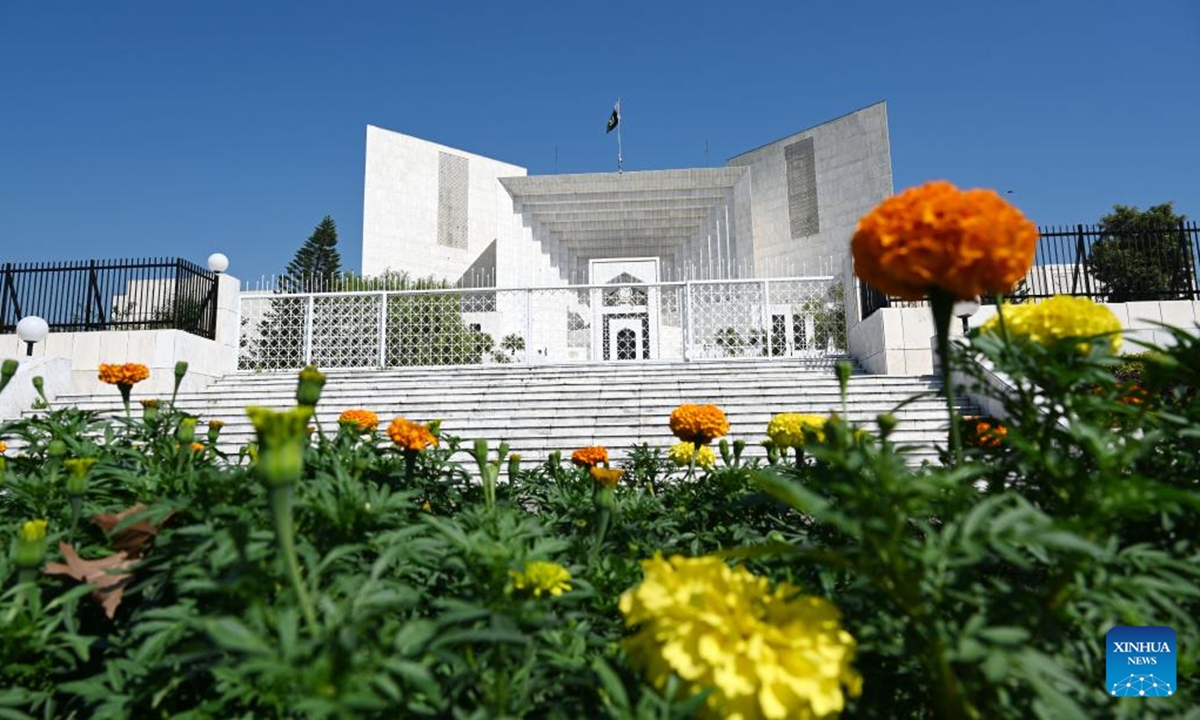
[(32, 329), (218, 263), (963, 310)]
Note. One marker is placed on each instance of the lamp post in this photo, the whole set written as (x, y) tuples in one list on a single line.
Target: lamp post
[(32, 329), (963, 310), (218, 263)]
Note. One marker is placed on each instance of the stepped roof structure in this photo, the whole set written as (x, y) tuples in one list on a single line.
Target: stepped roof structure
[(785, 208)]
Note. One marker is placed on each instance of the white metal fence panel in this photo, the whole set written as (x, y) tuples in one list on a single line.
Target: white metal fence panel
[(791, 317)]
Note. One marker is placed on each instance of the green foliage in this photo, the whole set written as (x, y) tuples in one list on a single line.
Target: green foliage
[(729, 340), (423, 328), (317, 264), (1143, 255), (982, 591), (510, 345)]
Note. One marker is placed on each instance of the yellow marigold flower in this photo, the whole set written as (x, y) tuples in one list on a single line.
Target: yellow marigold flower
[(590, 456), (698, 424), (787, 430), (410, 435), (127, 375), (605, 477), (967, 242), (364, 420), (766, 653), (1059, 317), (541, 578), (33, 531), (197, 447), (3, 447), (683, 453)]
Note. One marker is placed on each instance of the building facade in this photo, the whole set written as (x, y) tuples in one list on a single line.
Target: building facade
[(718, 262), (787, 208)]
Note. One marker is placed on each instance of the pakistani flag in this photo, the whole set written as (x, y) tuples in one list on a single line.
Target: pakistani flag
[(614, 119)]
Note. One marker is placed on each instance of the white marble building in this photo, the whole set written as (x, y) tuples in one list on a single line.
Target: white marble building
[(787, 208)]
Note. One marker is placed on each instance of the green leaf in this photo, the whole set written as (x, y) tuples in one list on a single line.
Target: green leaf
[(231, 634), (1069, 541), (481, 635), (1004, 635), (614, 689), (413, 637)]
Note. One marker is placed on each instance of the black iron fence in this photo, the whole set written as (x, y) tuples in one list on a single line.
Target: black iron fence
[(89, 295), (1087, 261)]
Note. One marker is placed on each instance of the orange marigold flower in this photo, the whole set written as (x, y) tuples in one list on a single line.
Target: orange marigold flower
[(1132, 394), (698, 423), (128, 374), (410, 435), (590, 456), (606, 477), (3, 447), (966, 242), (989, 435), (364, 420), (197, 447)]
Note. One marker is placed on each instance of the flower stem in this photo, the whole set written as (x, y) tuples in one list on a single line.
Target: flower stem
[(943, 309), (600, 522), (410, 467), (281, 508), (125, 398)]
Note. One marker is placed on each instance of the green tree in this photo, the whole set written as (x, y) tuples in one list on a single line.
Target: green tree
[(1143, 255), (316, 267), (317, 264)]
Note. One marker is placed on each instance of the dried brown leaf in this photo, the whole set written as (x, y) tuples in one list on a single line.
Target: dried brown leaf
[(107, 576), (135, 538)]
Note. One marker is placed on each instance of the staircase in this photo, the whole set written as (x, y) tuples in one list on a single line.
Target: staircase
[(539, 409)]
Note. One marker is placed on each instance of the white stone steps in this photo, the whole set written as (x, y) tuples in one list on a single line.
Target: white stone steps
[(519, 406), (540, 409)]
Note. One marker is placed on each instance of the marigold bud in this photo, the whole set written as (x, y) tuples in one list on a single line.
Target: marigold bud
[(186, 432), (887, 423), (31, 545), (7, 369), (605, 477), (844, 369), (281, 442), (77, 480), (308, 392)]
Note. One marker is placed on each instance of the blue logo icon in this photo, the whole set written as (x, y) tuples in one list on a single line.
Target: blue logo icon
[(1140, 661)]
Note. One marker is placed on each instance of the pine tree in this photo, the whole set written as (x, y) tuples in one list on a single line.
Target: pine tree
[(317, 264)]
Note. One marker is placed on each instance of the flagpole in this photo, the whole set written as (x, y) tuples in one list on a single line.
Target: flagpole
[(619, 170)]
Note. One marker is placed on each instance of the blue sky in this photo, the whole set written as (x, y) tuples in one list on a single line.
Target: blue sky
[(149, 128)]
